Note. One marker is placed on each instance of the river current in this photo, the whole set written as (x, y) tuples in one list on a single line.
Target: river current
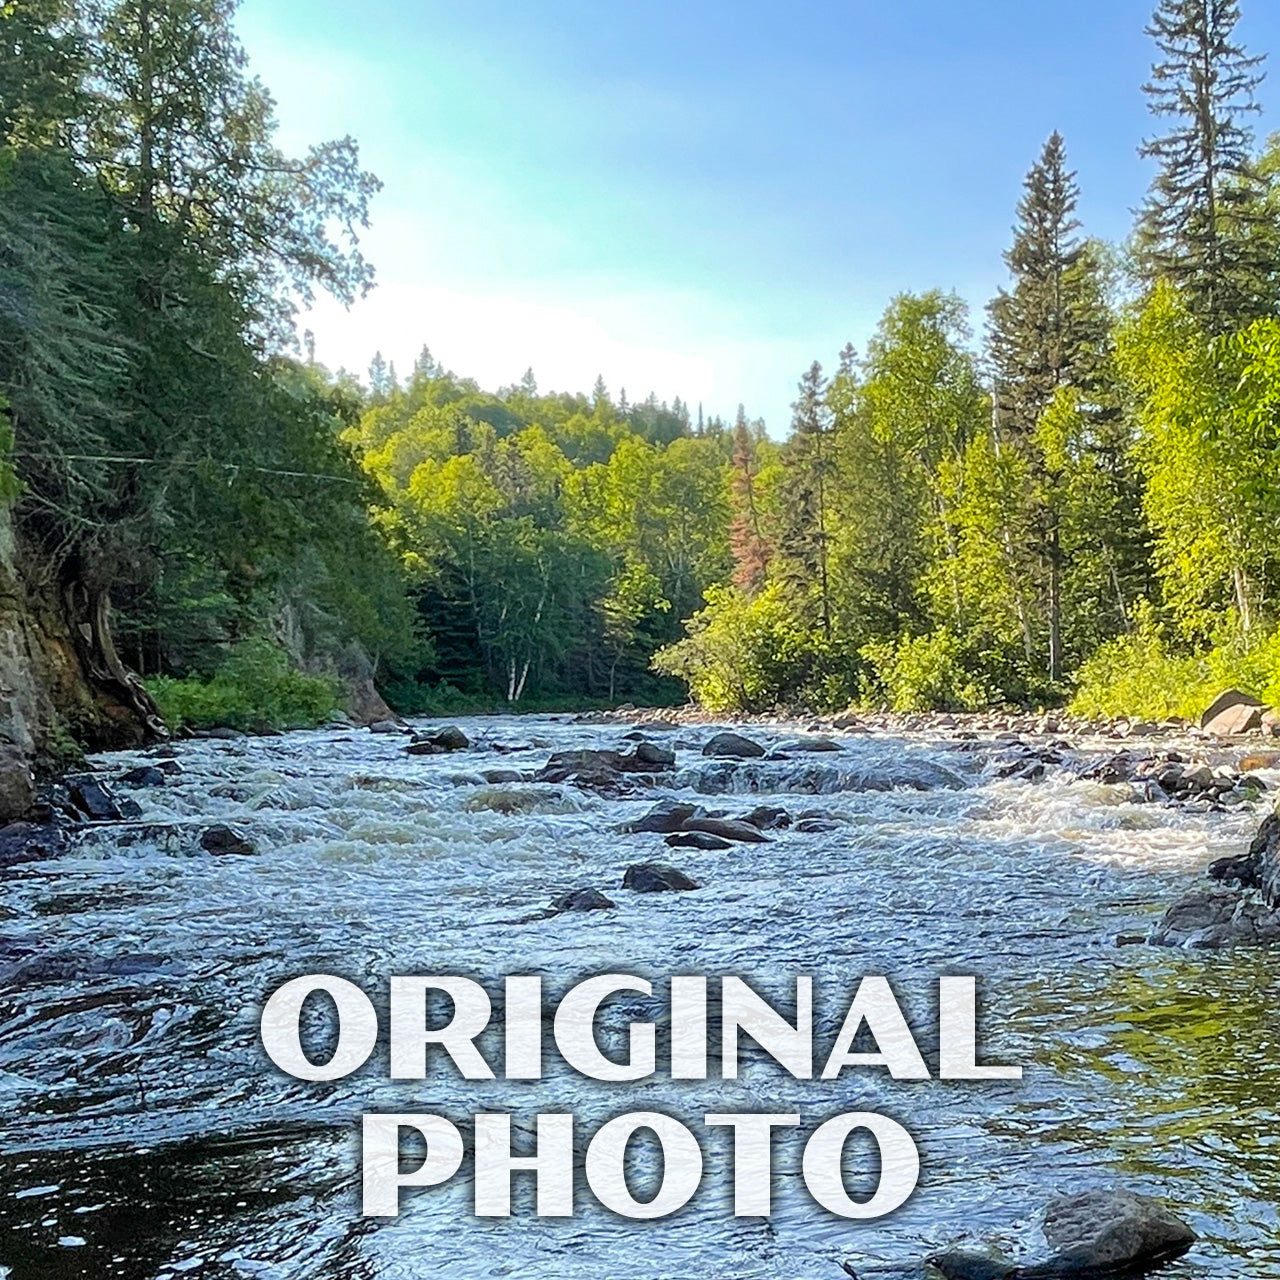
[(145, 1136)]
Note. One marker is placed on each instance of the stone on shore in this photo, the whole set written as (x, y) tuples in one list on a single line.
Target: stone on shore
[(1232, 713)]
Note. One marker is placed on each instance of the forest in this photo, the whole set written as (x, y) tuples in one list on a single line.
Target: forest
[(1072, 497)]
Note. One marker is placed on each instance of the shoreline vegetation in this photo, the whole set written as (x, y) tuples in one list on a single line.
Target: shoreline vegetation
[(1069, 501)]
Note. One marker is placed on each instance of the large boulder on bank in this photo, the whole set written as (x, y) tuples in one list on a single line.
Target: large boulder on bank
[(657, 877), (1233, 713), (732, 746), (1112, 1233)]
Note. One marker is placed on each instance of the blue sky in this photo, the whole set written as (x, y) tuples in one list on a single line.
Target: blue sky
[(698, 198)]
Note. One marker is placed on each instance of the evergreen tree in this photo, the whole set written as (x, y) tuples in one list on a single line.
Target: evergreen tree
[(529, 384), (805, 533), (1050, 331), (1206, 199), (750, 549)]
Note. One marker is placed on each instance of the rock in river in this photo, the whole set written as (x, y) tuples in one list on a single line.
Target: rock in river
[(582, 900), (147, 775), (697, 840), (733, 745), (1095, 1234), (223, 841), (666, 815), (657, 877), (94, 800), (728, 829)]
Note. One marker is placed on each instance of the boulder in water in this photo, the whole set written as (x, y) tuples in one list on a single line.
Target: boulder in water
[(582, 900), (657, 877), (93, 799), (385, 726), (223, 841), (733, 746), (728, 829), (666, 815), (1112, 1233), (697, 840), (651, 753), (767, 817), (450, 738), (146, 775)]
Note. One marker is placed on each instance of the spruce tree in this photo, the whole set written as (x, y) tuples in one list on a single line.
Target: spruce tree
[(1050, 329), (803, 542), (1206, 200), (750, 549)]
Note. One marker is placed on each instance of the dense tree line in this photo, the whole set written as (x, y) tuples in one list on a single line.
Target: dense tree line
[(1086, 501), (1075, 496)]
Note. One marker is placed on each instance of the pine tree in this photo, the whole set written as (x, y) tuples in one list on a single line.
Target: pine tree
[(1207, 198), (1050, 330), (529, 384), (804, 538), (751, 551), (426, 365)]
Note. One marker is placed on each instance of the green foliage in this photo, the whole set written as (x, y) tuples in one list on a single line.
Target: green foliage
[(748, 654), (1143, 675), (255, 687), (923, 673)]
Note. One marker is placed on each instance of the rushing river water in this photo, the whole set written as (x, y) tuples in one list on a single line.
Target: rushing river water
[(146, 1137)]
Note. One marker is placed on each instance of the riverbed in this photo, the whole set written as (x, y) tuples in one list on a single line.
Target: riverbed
[(145, 1136)]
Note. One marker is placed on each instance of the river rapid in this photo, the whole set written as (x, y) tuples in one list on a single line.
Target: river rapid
[(145, 1136)]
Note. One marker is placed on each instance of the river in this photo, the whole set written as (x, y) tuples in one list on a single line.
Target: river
[(146, 1137)]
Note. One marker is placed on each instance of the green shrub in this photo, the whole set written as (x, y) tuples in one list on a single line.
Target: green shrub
[(924, 673), (255, 687), (750, 654), (1140, 675)]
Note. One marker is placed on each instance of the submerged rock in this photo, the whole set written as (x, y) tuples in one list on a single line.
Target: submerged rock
[(732, 745), (147, 775), (697, 840), (582, 900), (224, 841), (727, 829), (666, 815), (657, 877)]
